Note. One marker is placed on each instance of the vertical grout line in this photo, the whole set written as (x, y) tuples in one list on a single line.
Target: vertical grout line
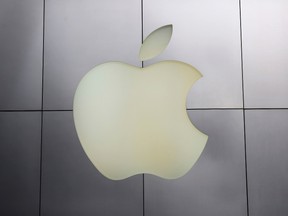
[(143, 199), (142, 65), (42, 108), (142, 28), (243, 108), (241, 54), (245, 158)]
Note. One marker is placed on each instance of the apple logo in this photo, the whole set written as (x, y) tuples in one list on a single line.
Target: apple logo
[(133, 120)]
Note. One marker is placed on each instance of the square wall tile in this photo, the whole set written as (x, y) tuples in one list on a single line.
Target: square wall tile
[(21, 27), (267, 149), (265, 53), (71, 185), (82, 34), (206, 34), (216, 183), (20, 163)]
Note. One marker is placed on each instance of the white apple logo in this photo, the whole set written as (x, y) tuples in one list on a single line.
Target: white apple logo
[(133, 120)]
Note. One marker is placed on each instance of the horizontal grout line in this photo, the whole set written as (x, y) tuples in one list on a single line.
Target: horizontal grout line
[(34, 110), (215, 108), (188, 109), (259, 108), (237, 108), (20, 110), (69, 110)]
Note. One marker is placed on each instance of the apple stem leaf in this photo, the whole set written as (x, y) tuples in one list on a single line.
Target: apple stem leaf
[(155, 42)]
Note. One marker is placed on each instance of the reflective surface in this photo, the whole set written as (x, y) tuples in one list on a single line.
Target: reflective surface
[(265, 48), (267, 162), (20, 54), (206, 35), (82, 34), (216, 184), (20, 163), (71, 185)]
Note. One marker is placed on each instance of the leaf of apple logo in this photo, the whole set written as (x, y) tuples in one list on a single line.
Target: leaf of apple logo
[(133, 120)]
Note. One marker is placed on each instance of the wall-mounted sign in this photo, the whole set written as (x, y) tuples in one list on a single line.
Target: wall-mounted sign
[(133, 120)]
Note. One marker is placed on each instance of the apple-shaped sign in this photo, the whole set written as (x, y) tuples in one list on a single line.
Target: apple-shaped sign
[(133, 120)]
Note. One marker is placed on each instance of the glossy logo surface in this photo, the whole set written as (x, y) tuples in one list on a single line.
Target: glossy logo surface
[(133, 120)]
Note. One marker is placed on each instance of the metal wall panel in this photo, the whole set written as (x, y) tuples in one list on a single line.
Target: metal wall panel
[(20, 54), (82, 34), (216, 184), (267, 148), (206, 35), (265, 48), (20, 163), (71, 185)]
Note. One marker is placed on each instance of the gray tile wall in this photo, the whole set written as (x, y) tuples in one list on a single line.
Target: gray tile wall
[(207, 36), (70, 183), (82, 34), (20, 163), (240, 46), (21, 31), (216, 184), (268, 162), (265, 50)]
